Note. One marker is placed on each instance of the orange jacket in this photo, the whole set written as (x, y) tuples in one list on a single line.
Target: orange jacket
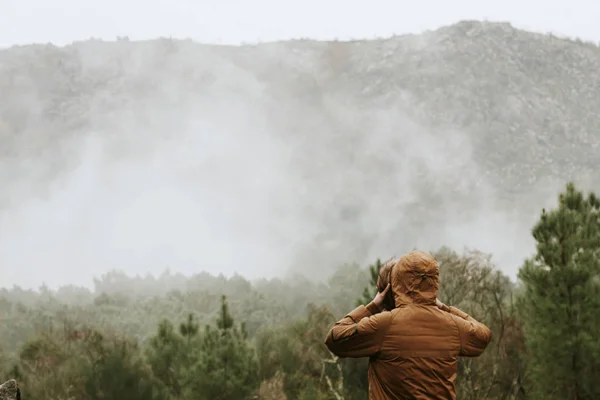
[(413, 348)]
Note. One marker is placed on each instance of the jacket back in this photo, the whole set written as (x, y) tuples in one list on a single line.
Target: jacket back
[(413, 348)]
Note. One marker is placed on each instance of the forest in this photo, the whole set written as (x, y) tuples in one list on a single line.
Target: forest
[(211, 337)]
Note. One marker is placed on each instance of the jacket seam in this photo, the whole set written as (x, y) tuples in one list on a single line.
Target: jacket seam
[(460, 338), (385, 331), (334, 340)]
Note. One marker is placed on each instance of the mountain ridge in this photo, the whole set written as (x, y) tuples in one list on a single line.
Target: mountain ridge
[(417, 140)]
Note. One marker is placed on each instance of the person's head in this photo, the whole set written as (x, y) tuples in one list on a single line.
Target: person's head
[(382, 281), (414, 278)]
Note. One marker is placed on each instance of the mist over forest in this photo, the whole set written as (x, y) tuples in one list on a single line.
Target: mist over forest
[(285, 158), (184, 221)]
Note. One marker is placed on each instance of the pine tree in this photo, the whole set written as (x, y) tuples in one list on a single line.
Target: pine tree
[(561, 300), (189, 329), (117, 371), (225, 320), (227, 366), (168, 356)]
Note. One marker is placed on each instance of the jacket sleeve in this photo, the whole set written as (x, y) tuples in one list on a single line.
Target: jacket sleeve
[(360, 333), (474, 336)]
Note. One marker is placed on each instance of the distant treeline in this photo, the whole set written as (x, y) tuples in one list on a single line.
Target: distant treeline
[(209, 337)]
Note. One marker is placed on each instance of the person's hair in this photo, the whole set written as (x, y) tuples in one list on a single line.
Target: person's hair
[(383, 279)]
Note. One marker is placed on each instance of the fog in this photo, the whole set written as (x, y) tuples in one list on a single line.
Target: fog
[(247, 174)]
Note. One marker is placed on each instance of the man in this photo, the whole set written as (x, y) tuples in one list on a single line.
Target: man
[(414, 345)]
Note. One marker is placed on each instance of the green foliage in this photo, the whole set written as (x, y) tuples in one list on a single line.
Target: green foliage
[(193, 350), (471, 282), (216, 364), (168, 358), (115, 370), (115, 345), (226, 367), (562, 298), (298, 351), (83, 364)]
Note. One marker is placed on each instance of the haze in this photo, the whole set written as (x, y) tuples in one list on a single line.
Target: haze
[(226, 180), (235, 21)]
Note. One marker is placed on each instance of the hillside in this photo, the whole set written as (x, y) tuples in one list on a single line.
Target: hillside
[(313, 152)]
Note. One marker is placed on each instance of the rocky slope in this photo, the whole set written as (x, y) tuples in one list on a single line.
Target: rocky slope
[(419, 140)]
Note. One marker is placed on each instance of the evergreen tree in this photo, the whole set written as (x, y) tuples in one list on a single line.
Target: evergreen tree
[(225, 320), (189, 329), (561, 300), (168, 356), (115, 371), (84, 364), (226, 367)]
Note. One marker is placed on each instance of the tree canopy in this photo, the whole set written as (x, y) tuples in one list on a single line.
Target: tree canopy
[(206, 337)]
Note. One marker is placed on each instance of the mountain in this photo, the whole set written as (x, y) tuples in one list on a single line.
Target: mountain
[(295, 154)]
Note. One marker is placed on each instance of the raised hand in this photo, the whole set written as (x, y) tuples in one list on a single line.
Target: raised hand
[(380, 296)]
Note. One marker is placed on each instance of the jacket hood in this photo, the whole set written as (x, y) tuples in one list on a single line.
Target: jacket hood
[(414, 279)]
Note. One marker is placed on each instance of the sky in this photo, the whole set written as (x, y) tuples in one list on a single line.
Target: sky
[(236, 21)]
